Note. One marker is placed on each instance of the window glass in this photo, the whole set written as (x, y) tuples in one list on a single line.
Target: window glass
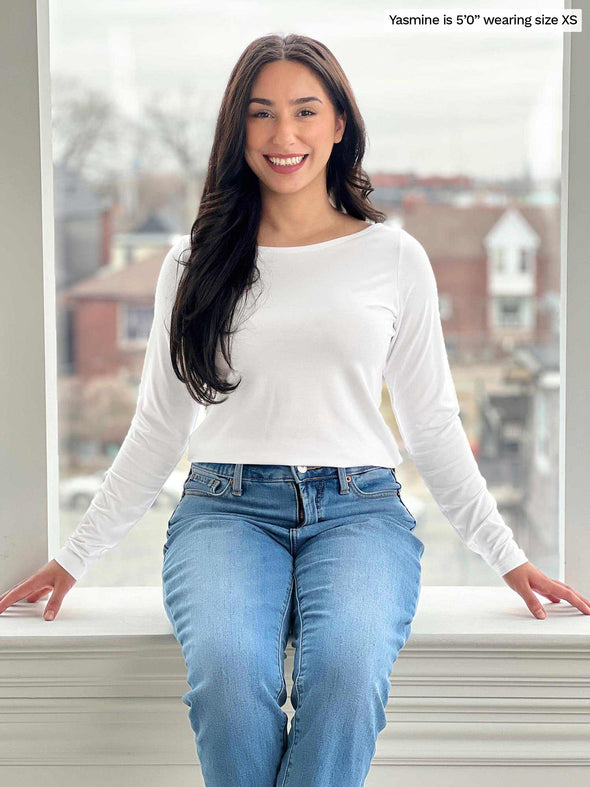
[(464, 151)]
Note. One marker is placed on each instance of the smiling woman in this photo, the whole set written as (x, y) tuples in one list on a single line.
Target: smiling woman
[(294, 137), (262, 548)]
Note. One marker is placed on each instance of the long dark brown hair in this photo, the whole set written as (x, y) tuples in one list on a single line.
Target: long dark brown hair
[(222, 260)]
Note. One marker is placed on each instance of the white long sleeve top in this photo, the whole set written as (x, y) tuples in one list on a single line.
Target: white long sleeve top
[(325, 324)]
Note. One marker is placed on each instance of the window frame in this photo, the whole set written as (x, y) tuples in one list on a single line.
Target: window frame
[(30, 525)]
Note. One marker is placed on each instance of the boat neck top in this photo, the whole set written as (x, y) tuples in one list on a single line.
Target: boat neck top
[(322, 244), (317, 335)]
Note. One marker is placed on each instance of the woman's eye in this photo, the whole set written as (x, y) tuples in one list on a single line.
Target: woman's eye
[(263, 112)]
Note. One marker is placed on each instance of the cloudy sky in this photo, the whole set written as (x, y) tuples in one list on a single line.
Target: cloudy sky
[(438, 103)]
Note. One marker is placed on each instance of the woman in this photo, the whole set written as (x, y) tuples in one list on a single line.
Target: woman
[(320, 306)]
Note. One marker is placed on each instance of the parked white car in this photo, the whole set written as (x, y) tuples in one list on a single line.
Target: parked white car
[(77, 492)]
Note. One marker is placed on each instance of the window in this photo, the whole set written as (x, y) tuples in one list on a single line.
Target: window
[(512, 312), (140, 189), (525, 260), (136, 322)]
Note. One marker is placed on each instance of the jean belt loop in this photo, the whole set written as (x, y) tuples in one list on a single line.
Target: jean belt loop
[(343, 478), (237, 481)]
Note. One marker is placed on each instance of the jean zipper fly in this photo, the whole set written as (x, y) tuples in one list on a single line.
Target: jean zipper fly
[(300, 508)]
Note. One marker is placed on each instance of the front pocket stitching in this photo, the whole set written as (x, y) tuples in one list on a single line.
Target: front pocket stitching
[(359, 492), (413, 518), (206, 479), (210, 483)]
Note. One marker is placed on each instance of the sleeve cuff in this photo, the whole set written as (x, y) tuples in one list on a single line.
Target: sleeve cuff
[(507, 563), (72, 563)]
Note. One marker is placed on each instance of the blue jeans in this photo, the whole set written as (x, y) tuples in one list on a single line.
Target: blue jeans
[(258, 554)]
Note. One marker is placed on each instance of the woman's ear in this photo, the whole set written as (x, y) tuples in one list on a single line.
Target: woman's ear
[(340, 128)]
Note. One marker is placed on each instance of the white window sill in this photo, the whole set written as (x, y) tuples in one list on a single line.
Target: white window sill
[(447, 615), (480, 683)]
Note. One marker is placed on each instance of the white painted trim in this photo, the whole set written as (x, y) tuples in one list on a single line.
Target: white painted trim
[(479, 683), (574, 437), (28, 399)]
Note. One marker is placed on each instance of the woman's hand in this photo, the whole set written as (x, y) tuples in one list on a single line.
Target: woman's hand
[(48, 577), (527, 578)]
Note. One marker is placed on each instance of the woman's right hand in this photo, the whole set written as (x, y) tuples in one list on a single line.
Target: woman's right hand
[(51, 576)]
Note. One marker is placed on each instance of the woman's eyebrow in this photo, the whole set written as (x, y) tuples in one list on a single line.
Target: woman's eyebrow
[(269, 103)]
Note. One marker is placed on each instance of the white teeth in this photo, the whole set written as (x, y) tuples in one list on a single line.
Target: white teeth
[(286, 162)]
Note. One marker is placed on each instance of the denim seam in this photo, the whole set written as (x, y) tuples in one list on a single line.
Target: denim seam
[(280, 655), (297, 681), (199, 493), (197, 475), (407, 509), (299, 507), (319, 498), (368, 495), (212, 484)]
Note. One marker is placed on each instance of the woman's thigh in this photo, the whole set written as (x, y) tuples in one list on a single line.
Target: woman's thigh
[(357, 587), (227, 592)]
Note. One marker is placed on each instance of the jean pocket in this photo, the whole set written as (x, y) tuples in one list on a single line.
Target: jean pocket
[(206, 483), (407, 511), (376, 482)]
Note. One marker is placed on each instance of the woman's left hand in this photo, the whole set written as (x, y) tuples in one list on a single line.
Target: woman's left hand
[(527, 578)]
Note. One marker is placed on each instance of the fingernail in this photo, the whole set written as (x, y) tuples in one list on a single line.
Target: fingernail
[(541, 613), (50, 615)]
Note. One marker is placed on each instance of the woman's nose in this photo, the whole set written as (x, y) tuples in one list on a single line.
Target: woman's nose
[(284, 131)]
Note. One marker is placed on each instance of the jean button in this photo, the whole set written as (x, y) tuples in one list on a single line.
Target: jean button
[(302, 468)]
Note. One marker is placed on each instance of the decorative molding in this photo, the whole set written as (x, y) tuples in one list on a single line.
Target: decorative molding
[(497, 689)]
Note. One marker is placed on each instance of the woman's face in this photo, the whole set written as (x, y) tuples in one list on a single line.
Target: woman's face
[(280, 125)]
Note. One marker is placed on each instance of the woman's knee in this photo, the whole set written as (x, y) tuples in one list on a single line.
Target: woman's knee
[(233, 663)]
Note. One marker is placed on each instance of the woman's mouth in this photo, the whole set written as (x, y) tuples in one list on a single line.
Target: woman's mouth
[(284, 164)]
